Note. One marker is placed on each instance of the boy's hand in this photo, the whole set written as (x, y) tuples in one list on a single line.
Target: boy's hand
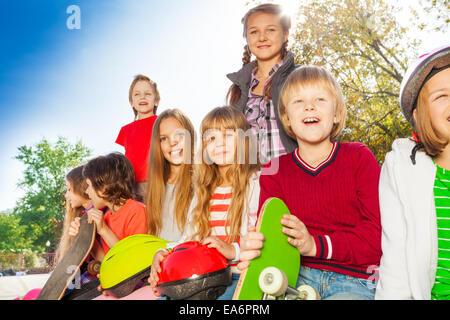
[(250, 247), (226, 249), (74, 227), (96, 216), (301, 238)]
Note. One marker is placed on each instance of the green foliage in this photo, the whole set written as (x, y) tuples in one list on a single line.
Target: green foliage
[(361, 43), (13, 234), (41, 210)]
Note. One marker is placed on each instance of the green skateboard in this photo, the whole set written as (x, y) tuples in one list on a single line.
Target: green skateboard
[(273, 275)]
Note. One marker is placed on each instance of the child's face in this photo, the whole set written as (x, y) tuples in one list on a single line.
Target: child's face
[(143, 99), (221, 146), (72, 198), (311, 114), (172, 137), (97, 202), (265, 36), (437, 98)]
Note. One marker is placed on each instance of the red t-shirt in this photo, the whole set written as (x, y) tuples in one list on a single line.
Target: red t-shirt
[(135, 137), (130, 219)]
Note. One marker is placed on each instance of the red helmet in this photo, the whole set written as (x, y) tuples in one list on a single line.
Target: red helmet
[(194, 271)]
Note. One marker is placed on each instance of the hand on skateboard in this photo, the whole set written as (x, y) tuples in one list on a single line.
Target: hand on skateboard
[(275, 242)]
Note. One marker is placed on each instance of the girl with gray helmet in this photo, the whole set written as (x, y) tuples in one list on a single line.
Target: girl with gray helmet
[(415, 188)]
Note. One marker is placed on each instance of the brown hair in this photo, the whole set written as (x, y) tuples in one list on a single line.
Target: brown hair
[(79, 186), (234, 93), (207, 177), (312, 75), (113, 176), (430, 142), (159, 170), (141, 77)]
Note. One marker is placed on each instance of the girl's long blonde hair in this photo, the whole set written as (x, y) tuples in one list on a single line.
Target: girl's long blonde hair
[(207, 177), (79, 186), (159, 172)]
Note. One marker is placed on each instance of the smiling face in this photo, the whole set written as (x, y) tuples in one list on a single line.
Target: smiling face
[(265, 36), (311, 113), (143, 99), (172, 138), (220, 146), (435, 95)]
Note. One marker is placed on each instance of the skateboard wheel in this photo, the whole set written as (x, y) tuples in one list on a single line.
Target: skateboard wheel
[(94, 267), (307, 293), (273, 281)]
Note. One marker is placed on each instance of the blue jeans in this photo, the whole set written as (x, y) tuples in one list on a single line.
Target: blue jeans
[(229, 292), (336, 286)]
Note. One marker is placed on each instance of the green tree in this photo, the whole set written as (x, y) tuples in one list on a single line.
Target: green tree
[(362, 43), (12, 234), (438, 10), (41, 209)]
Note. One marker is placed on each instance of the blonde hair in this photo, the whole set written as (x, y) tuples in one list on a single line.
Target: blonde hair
[(141, 77), (430, 141), (159, 172), (79, 186), (207, 177), (307, 76)]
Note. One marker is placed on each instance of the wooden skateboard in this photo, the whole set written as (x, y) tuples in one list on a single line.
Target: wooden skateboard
[(273, 275), (68, 268)]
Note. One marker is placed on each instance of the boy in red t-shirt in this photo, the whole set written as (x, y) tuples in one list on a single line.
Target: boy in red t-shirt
[(135, 137), (110, 181)]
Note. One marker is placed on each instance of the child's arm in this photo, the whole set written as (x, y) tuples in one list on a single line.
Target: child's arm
[(228, 250), (393, 275), (156, 269), (97, 251), (74, 227), (108, 236), (250, 247)]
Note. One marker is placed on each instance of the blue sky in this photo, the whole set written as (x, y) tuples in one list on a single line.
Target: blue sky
[(74, 83)]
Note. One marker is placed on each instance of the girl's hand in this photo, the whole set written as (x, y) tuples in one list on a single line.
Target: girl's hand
[(301, 238), (226, 249), (156, 269), (74, 227), (96, 216), (250, 247)]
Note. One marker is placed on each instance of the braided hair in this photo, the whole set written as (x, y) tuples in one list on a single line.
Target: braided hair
[(234, 93)]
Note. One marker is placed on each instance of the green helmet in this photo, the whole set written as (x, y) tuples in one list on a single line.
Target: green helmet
[(128, 262)]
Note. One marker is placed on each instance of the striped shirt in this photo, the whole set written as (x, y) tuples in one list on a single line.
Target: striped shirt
[(261, 115), (220, 227), (441, 288)]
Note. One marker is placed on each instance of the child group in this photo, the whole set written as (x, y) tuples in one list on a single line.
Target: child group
[(363, 232)]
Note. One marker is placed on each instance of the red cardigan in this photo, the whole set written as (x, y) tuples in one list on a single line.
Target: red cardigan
[(338, 203)]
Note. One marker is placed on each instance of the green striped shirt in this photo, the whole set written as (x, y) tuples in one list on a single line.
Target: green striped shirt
[(441, 288)]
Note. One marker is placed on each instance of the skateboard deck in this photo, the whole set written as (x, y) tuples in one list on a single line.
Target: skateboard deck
[(276, 252), (69, 266)]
